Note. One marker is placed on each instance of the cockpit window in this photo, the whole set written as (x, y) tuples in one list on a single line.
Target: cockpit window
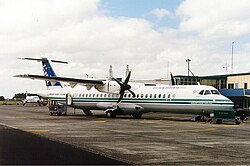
[(215, 92), (207, 92), (201, 92)]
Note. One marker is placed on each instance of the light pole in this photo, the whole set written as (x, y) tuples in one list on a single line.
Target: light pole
[(188, 61)]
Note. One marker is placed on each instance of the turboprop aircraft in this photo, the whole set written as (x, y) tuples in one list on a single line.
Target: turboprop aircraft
[(115, 97)]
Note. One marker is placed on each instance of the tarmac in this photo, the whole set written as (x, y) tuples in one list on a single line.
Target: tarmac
[(29, 135)]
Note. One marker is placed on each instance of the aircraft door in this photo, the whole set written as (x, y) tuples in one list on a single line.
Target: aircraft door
[(69, 99)]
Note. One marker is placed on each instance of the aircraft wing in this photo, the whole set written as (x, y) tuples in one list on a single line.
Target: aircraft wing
[(72, 81)]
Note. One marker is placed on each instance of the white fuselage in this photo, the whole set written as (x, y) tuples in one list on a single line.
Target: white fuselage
[(159, 98)]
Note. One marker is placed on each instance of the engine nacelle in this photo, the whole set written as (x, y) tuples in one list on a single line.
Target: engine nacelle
[(128, 108), (123, 108), (109, 87)]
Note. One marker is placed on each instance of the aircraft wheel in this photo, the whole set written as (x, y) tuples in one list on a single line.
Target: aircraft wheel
[(110, 114), (237, 121), (137, 115), (243, 117), (219, 121)]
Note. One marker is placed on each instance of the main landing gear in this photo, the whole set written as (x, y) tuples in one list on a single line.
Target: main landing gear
[(110, 114)]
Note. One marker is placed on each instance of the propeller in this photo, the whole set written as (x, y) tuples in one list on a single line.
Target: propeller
[(124, 86), (172, 79)]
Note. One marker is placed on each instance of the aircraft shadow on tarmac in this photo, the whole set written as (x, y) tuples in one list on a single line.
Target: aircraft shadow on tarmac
[(127, 117)]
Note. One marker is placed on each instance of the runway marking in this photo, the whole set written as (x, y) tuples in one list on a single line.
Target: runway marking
[(38, 131), (230, 125)]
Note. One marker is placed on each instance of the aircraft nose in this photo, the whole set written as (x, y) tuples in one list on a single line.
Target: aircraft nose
[(229, 100)]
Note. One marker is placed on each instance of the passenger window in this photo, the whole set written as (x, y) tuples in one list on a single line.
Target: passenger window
[(129, 95), (125, 95), (207, 92), (141, 95), (201, 92), (169, 95), (100, 95), (155, 95), (137, 95), (86, 95), (93, 95), (82, 95), (146, 96), (159, 96), (97, 95), (150, 96), (164, 96)]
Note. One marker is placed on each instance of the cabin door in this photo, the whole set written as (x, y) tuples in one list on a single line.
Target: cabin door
[(69, 99)]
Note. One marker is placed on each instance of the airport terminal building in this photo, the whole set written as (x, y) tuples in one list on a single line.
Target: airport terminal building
[(234, 86)]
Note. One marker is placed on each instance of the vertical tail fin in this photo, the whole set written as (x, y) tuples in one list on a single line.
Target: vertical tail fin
[(48, 70)]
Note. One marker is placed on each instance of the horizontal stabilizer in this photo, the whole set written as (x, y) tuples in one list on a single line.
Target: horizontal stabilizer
[(43, 60)]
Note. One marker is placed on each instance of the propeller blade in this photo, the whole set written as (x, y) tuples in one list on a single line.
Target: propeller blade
[(133, 94), (128, 77), (118, 82), (172, 79), (124, 86), (121, 96)]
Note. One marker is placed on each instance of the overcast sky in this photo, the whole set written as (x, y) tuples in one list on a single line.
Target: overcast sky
[(153, 36)]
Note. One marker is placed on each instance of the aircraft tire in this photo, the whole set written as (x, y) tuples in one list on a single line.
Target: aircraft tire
[(39, 103), (219, 121), (137, 115), (237, 121), (110, 114)]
